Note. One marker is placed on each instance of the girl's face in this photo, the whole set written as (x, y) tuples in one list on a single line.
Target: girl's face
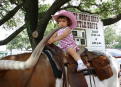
[(62, 22)]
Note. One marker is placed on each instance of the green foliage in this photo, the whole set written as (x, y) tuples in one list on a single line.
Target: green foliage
[(11, 23), (16, 20), (118, 40), (50, 27), (73, 10), (4, 9), (16, 1), (20, 42), (110, 36), (109, 8), (87, 4), (43, 9), (112, 39), (104, 8)]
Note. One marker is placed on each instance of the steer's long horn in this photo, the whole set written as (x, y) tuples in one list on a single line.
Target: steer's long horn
[(32, 60)]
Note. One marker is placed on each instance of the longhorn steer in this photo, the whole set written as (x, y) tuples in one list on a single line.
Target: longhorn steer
[(42, 75), (24, 71)]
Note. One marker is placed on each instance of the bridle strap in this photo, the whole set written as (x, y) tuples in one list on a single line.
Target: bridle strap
[(93, 79), (91, 74), (65, 77)]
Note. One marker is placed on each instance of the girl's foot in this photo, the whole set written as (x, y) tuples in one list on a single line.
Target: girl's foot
[(81, 67)]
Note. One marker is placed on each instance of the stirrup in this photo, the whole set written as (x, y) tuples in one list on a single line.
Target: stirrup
[(82, 70), (86, 70)]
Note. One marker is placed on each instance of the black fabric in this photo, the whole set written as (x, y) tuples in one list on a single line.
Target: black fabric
[(56, 71)]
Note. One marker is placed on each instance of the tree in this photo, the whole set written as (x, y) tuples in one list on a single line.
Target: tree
[(118, 40), (21, 42), (110, 37), (109, 11)]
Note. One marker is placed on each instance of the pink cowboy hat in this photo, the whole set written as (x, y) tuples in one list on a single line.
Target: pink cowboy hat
[(68, 14)]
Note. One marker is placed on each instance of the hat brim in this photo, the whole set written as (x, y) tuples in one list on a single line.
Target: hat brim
[(68, 14)]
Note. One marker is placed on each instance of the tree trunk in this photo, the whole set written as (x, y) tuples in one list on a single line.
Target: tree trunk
[(31, 18)]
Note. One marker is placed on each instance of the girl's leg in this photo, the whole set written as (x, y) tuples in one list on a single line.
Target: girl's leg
[(77, 58), (73, 53)]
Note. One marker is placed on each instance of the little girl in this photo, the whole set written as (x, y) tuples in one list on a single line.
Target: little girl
[(67, 21)]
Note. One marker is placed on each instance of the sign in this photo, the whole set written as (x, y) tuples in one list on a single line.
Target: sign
[(86, 21), (94, 35)]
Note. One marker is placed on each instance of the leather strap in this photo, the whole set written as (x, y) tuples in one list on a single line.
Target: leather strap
[(76, 79)]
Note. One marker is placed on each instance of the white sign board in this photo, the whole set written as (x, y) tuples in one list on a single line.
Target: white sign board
[(94, 30)]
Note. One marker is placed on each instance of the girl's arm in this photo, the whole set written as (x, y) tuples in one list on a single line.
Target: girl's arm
[(51, 40), (55, 37), (63, 35)]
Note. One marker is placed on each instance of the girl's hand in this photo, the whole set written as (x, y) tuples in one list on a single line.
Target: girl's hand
[(50, 41)]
